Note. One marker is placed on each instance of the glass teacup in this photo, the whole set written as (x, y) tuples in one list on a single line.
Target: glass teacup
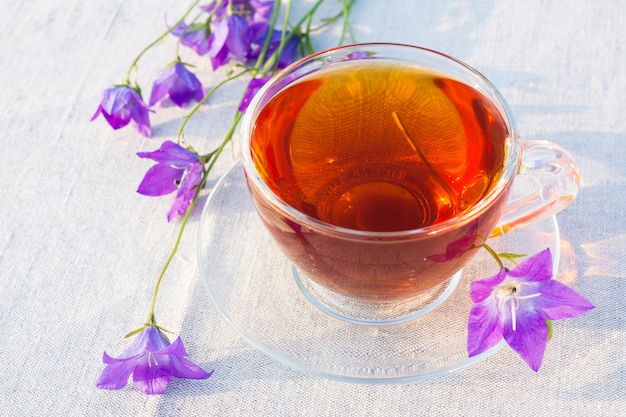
[(380, 169)]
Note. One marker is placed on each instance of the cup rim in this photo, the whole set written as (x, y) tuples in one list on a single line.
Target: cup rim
[(512, 160)]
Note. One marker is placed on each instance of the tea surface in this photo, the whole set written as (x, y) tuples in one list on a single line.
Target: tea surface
[(371, 145)]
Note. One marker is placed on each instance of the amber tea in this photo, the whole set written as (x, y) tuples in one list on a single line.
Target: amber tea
[(379, 146)]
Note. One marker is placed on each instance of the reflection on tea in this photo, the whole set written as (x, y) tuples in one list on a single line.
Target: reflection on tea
[(379, 146)]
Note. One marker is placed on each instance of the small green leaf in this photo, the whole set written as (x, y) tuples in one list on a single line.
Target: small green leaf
[(134, 332), (164, 330), (511, 257), (507, 255)]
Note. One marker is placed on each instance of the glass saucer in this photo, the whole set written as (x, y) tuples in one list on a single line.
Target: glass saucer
[(252, 285)]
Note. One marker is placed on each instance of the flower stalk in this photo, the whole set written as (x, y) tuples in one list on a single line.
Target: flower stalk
[(231, 31), (181, 129), (133, 65), (493, 254)]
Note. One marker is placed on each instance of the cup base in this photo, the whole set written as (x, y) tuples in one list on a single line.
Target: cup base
[(374, 313)]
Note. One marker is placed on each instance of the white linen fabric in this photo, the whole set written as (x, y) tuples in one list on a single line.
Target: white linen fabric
[(80, 250)]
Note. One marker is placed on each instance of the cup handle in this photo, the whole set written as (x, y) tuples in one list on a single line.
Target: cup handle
[(555, 172)]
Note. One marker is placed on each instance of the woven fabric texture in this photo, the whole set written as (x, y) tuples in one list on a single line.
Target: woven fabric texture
[(80, 250)]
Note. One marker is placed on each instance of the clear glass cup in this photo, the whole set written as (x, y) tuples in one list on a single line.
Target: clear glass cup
[(379, 266)]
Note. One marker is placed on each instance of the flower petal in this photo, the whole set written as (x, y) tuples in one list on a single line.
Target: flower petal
[(141, 122), (197, 40), (119, 119), (529, 339), (185, 87), (139, 114), (97, 113), (238, 39), (117, 98), (179, 29), (481, 289), (115, 374), (220, 58), (155, 340), (558, 301), (218, 51), (162, 85), (187, 77), (172, 154), (186, 191), (136, 349), (160, 179), (122, 358), (535, 268), (152, 374), (176, 348), (484, 329), (183, 368)]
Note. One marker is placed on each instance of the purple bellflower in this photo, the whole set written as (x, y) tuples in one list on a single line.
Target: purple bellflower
[(195, 36), (122, 104), (229, 32), (179, 84), (516, 305), (177, 168), (152, 361)]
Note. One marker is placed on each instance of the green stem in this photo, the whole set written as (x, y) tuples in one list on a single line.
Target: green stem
[(346, 28), (159, 39), (210, 159), (270, 62), (493, 254), (305, 45), (283, 40), (214, 158), (227, 139), (268, 38), (304, 18), (329, 21), (179, 134), (151, 319)]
